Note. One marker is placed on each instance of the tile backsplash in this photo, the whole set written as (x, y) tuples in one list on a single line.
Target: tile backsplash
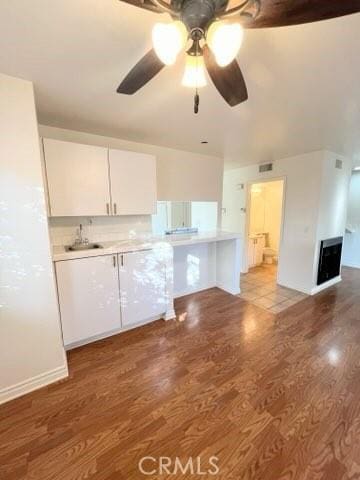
[(63, 230)]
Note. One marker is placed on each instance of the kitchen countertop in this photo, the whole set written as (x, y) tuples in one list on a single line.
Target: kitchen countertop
[(144, 243)]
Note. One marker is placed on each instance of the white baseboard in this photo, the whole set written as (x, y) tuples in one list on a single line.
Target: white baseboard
[(111, 333), (31, 384), (92, 339), (190, 290), (233, 290), (351, 265), (325, 285), (298, 288), (314, 290), (170, 315)]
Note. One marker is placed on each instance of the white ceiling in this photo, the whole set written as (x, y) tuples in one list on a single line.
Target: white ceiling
[(303, 82)]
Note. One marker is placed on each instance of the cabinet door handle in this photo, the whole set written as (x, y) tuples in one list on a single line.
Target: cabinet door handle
[(108, 208), (114, 261), (122, 260), (115, 209)]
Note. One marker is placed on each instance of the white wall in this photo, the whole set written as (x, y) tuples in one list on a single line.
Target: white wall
[(351, 252), (180, 175), (273, 212), (63, 230), (302, 176), (335, 185), (310, 180), (204, 216), (31, 351), (257, 209)]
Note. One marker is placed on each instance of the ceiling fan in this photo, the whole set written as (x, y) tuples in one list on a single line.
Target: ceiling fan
[(214, 31)]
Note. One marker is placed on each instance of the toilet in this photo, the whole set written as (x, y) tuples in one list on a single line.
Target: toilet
[(270, 255)]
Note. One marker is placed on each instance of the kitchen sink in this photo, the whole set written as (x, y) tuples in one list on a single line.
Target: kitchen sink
[(82, 246)]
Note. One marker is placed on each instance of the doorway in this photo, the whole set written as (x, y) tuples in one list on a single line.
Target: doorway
[(265, 226), (264, 235)]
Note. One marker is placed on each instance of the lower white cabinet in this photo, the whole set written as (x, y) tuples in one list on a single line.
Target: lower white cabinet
[(98, 295), (142, 286), (256, 247), (89, 297)]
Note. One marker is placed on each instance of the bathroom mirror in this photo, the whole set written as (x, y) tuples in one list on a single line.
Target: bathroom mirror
[(171, 215)]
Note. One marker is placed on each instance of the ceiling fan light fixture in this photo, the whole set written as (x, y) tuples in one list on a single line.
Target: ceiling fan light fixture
[(168, 40), (194, 75), (225, 39)]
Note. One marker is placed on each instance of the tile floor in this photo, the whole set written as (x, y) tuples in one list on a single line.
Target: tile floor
[(259, 287)]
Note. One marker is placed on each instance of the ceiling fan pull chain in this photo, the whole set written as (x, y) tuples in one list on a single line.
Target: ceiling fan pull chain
[(196, 98), (196, 102)]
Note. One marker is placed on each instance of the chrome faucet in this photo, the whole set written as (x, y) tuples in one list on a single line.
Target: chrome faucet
[(79, 240)]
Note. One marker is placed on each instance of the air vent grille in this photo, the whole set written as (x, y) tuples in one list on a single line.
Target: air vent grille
[(338, 164), (266, 167)]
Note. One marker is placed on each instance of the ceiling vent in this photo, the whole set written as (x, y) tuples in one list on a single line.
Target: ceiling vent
[(338, 164), (266, 167)]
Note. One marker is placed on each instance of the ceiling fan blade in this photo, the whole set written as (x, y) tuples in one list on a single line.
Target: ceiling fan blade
[(228, 80), (145, 4), (142, 73), (279, 13)]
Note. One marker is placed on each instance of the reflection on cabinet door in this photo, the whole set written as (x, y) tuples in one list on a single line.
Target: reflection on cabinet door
[(133, 183), (142, 286), (89, 297), (78, 178)]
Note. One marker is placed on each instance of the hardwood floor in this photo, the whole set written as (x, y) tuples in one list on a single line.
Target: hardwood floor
[(273, 397)]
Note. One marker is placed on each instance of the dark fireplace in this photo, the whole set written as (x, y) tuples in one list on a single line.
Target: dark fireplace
[(330, 259)]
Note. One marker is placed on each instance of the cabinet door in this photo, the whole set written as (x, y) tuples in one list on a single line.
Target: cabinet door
[(78, 178), (259, 250), (142, 286), (251, 253), (133, 183), (88, 296)]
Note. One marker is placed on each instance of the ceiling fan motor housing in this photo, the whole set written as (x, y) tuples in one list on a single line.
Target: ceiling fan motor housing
[(199, 14)]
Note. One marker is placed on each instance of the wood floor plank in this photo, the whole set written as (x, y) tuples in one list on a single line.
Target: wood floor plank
[(274, 397)]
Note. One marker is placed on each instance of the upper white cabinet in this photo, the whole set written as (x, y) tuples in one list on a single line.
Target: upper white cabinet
[(85, 180), (133, 183), (78, 178), (89, 297)]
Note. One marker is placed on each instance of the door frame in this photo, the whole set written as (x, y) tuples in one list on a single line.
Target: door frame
[(249, 184)]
